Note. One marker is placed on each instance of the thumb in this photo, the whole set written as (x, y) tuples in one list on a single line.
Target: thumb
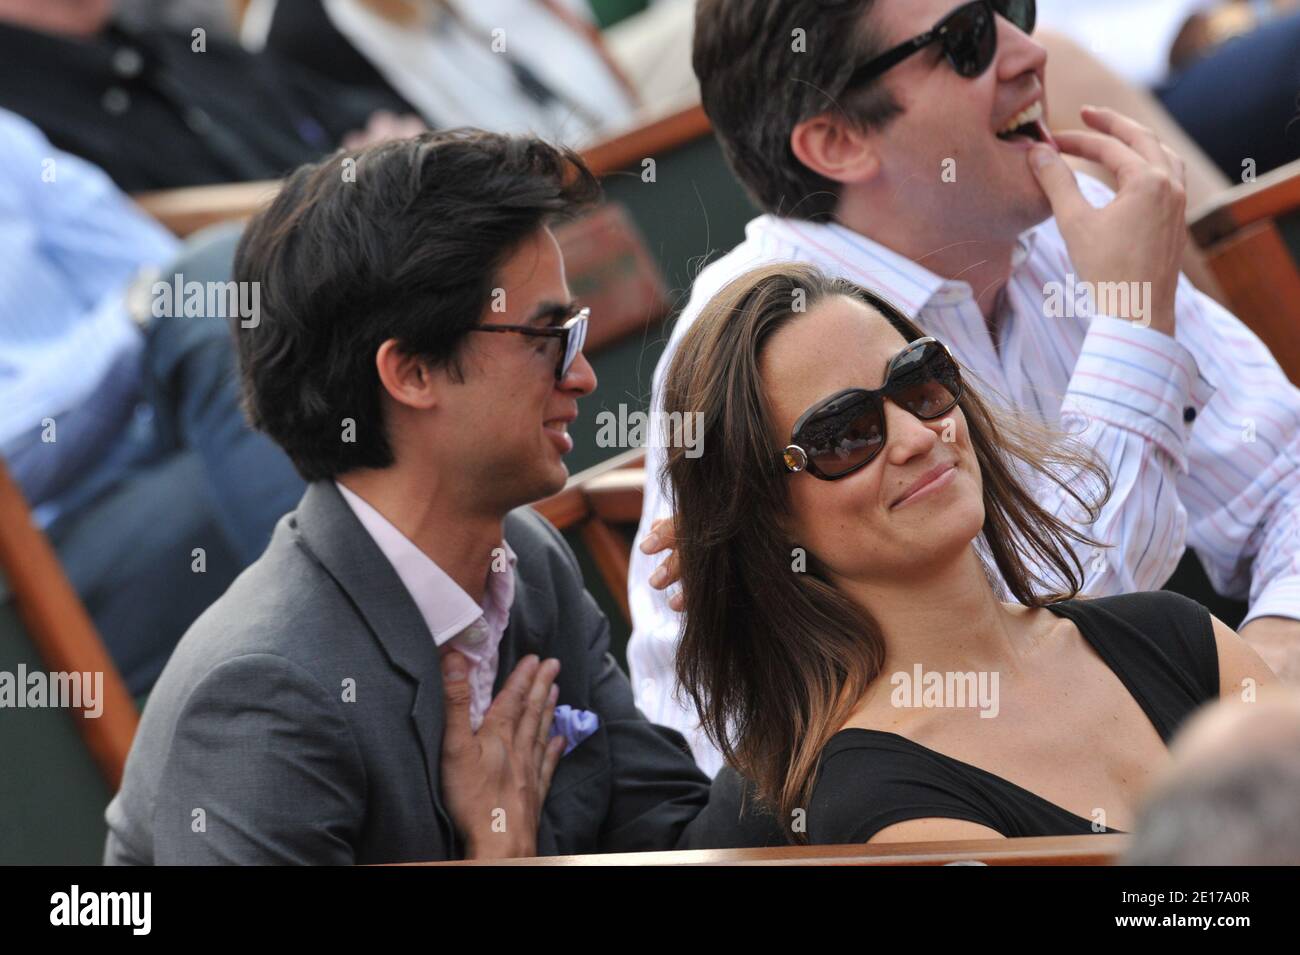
[(455, 697), (1057, 180)]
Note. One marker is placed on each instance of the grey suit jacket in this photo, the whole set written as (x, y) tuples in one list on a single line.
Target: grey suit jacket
[(250, 750)]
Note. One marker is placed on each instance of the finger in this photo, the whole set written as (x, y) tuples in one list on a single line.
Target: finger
[(525, 728), (1133, 134), (1106, 150), (677, 601), (1176, 166), (504, 711), (455, 694), (550, 759), (667, 573), (1058, 183), (546, 723), (659, 538)]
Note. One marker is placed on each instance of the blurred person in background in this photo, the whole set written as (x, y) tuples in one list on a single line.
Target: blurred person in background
[(215, 16), (128, 442), (513, 66), (1227, 70), (160, 108), (1231, 794)]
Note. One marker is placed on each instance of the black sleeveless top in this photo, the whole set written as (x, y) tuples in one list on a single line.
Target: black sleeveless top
[(1161, 646)]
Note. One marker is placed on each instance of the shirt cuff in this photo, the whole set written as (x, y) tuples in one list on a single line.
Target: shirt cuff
[(1141, 380), (1280, 598)]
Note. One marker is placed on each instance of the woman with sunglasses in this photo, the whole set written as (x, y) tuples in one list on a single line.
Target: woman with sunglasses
[(854, 546)]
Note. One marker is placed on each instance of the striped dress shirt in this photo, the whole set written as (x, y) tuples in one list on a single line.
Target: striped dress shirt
[(70, 243), (1201, 431)]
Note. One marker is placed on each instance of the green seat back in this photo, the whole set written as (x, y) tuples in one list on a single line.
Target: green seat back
[(52, 794)]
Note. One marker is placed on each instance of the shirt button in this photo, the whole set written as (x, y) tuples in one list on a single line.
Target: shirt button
[(127, 62), (197, 120), (1189, 415), (116, 100), (475, 633)]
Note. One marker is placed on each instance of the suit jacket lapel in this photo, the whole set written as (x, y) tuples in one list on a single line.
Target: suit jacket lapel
[(520, 639), (337, 539)]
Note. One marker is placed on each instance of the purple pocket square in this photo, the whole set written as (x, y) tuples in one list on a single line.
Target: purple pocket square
[(574, 725)]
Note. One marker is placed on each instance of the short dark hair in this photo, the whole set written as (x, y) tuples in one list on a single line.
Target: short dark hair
[(756, 88), (400, 240)]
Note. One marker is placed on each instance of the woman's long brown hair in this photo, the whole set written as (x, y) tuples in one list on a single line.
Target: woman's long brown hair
[(775, 661)]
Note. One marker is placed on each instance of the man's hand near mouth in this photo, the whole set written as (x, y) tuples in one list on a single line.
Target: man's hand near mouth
[(1140, 235)]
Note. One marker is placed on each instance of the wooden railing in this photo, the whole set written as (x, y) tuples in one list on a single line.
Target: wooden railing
[(185, 211), (61, 629), (1092, 850), (592, 502)]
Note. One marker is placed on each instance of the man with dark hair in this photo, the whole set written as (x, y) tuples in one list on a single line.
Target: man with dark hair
[(412, 670), (902, 144)]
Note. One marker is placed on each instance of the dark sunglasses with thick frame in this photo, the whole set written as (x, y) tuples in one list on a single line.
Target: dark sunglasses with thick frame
[(844, 432), (572, 333), (969, 36)]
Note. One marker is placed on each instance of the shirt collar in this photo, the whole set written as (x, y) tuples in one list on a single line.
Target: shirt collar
[(445, 607), (841, 251)]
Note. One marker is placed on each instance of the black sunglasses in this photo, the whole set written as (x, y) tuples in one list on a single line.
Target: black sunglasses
[(844, 432), (572, 334), (969, 36)]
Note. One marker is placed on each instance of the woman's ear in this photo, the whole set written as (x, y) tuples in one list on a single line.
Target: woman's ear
[(833, 148), (408, 379)]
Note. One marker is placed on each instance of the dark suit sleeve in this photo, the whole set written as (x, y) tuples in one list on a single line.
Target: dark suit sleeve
[(734, 818), (656, 788), (660, 799), (262, 769)]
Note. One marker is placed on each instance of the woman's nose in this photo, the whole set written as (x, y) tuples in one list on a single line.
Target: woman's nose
[(909, 436)]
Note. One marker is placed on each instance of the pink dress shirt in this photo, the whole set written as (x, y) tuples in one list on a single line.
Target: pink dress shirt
[(455, 620)]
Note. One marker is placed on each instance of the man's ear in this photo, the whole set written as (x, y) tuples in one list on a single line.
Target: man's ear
[(831, 147), (408, 379)]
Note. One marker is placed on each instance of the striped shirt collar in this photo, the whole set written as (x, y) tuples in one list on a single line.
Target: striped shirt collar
[(446, 608), (842, 251)]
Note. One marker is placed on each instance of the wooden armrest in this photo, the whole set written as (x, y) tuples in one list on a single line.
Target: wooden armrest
[(1273, 194), (571, 506), (653, 139), (61, 629), (616, 496), (185, 211)]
